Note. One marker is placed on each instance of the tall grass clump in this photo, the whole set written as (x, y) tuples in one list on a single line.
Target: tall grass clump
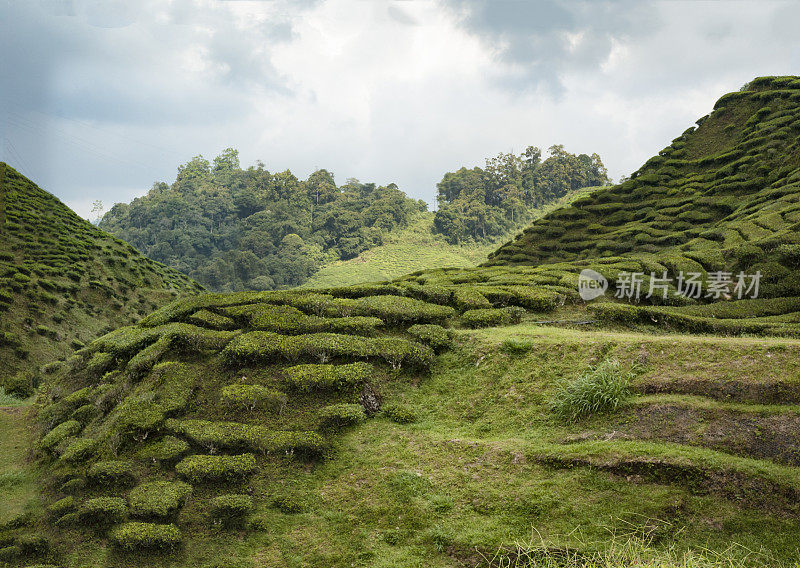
[(602, 388), (627, 552)]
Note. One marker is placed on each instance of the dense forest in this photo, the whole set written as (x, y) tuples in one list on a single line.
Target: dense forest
[(480, 203), (233, 229)]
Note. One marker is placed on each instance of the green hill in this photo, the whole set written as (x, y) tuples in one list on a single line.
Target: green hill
[(63, 282), (723, 195), (455, 417), (417, 247)]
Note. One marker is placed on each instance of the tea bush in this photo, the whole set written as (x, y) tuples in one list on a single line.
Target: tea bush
[(167, 449), (435, 336), (103, 511), (198, 469), (492, 317), (230, 509), (338, 416), (158, 498), (252, 397), (60, 433), (112, 473), (306, 378), (236, 435), (399, 413), (79, 450), (135, 536)]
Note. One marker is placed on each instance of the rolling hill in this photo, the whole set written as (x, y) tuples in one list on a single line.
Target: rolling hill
[(64, 282), (416, 247), (481, 416)]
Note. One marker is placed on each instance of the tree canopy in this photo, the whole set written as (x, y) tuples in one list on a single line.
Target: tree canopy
[(234, 229), (481, 203)]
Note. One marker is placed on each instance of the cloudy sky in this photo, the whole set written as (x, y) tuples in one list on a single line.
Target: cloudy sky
[(99, 99)]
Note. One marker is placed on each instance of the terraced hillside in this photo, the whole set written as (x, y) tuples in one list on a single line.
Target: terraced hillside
[(723, 195), (452, 417), (63, 281), (323, 429)]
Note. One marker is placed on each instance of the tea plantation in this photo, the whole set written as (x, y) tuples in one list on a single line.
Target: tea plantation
[(461, 417), (63, 282)]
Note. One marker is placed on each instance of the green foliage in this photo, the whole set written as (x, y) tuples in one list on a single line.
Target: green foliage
[(147, 536), (103, 511), (307, 378), (21, 385), (169, 448), (600, 389), (60, 433), (435, 336), (492, 317), (112, 473), (202, 469), (206, 318), (158, 499), (252, 397), (258, 230), (264, 346), (400, 413), (397, 310), (238, 436), (516, 348), (62, 507), (79, 450), (230, 509), (338, 416), (480, 203)]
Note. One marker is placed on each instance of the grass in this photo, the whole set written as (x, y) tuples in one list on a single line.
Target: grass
[(18, 485), (601, 388), (411, 249), (415, 248), (8, 400)]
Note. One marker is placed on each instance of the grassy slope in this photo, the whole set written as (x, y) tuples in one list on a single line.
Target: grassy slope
[(62, 279), (471, 475), (411, 249)]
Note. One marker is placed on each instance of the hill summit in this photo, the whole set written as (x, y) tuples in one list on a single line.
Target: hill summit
[(63, 281)]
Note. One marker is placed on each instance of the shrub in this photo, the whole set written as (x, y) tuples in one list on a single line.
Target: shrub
[(206, 318), (158, 498), (252, 397), (492, 317), (234, 435), (112, 472), (259, 346), (85, 414), (103, 511), (62, 507), (216, 468), (59, 434), (230, 509), (437, 337), (167, 449), (338, 416), (401, 310), (21, 385), (306, 378), (602, 388), (289, 504), (399, 413), (135, 535), (79, 450)]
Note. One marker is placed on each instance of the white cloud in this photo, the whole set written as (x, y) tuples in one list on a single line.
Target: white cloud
[(99, 101)]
